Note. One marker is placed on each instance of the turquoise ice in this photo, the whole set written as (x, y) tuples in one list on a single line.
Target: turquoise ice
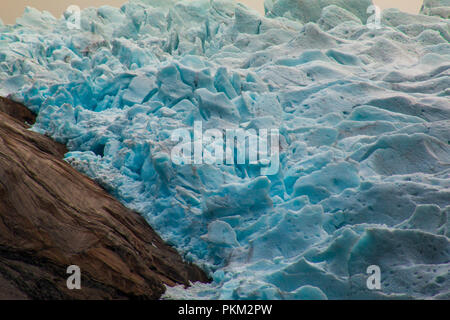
[(363, 116)]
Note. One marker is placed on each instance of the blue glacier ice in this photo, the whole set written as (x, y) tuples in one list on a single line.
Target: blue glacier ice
[(363, 116)]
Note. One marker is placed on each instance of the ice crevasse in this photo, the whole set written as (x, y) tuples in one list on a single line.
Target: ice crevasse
[(363, 115)]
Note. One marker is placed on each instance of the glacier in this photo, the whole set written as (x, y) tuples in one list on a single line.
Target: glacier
[(363, 115)]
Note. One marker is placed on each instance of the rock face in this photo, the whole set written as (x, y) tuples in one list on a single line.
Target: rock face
[(52, 217)]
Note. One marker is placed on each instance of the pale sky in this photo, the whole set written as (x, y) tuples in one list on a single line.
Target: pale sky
[(11, 9)]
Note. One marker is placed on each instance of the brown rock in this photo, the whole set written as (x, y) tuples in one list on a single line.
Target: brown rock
[(52, 216), (17, 111)]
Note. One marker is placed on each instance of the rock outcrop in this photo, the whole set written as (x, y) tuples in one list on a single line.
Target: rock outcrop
[(52, 216)]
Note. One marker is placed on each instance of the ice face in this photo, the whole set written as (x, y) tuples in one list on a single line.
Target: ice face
[(312, 10), (363, 115)]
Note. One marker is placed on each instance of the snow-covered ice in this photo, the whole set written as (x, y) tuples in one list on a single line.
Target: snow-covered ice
[(363, 116)]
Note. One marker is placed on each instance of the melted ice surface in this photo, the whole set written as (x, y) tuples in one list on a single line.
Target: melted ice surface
[(363, 116)]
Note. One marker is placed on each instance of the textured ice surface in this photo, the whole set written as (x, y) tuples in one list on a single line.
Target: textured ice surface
[(363, 116)]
